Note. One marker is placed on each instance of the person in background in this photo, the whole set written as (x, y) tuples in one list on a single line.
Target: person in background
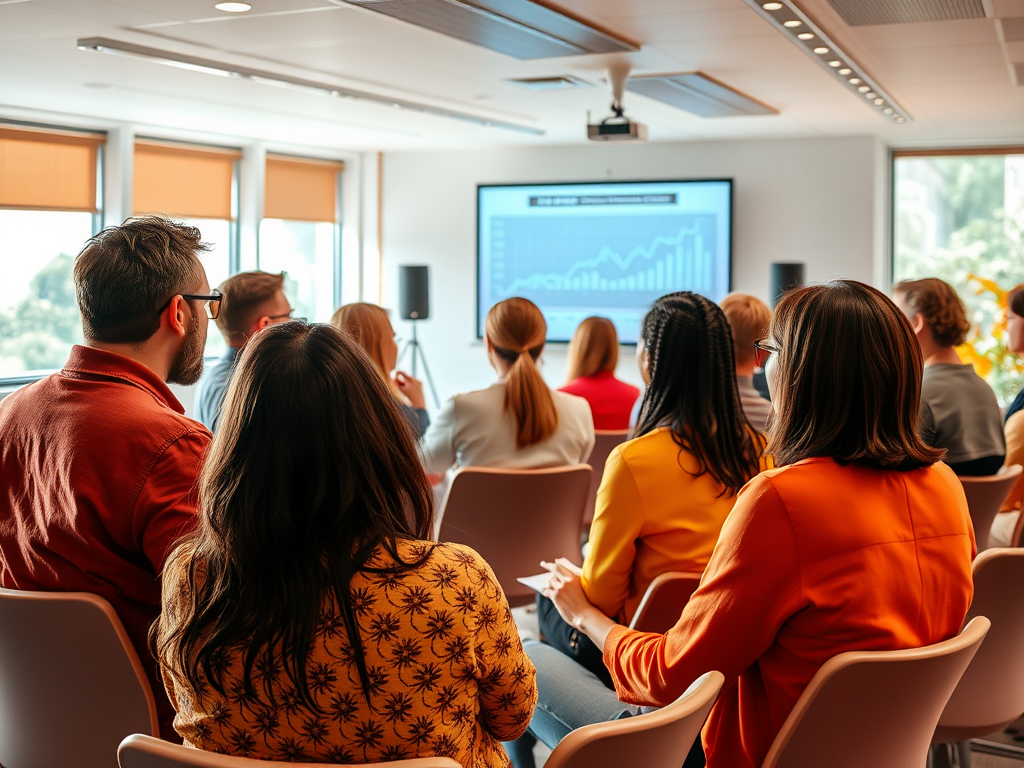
[(252, 301), (593, 355), (748, 318), (960, 411), (517, 422), (98, 462), (369, 325), (665, 494), (1005, 522), (308, 618), (860, 541)]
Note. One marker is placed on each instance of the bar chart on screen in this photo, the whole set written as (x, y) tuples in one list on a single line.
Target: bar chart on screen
[(583, 260)]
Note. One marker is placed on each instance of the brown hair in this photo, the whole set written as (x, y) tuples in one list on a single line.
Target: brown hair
[(594, 348), (847, 379), (1015, 300), (125, 275), (693, 388), (370, 326), (517, 330), (244, 297), (748, 318), (939, 305), (312, 470)]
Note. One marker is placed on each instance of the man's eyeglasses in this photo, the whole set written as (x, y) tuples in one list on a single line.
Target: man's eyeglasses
[(211, 302), (288, 316), (762, 352)]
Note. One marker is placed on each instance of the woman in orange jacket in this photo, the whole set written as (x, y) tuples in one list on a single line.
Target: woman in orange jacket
[(861, 540)]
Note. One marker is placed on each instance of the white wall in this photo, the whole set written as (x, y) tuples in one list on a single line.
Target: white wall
[(818, 201)]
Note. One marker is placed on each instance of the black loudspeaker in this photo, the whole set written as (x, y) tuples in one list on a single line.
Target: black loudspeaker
[(784, 275), (413, 293)]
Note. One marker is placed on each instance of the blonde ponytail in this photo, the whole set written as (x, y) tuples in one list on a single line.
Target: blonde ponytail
[(516, 329)]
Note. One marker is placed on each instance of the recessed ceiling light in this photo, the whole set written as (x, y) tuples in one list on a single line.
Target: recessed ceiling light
[(834, 63), (233, 7), (845, 71), (888, 110), (821, 50), (864, 88), (806, 36), (854, 81), (879, 102), (900, 120), (772, 6), (792, 23)]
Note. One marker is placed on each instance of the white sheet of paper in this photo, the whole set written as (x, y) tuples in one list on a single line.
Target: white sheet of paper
[(537, 583)]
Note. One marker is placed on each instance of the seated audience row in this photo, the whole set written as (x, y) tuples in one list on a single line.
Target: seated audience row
[(307, 615)]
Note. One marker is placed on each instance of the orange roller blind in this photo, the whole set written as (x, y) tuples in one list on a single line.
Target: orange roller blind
[(183, 181), (48, 170), (298, 189)]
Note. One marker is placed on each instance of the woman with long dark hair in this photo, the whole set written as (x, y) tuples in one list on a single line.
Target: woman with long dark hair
[(308, 618), (861, 540)]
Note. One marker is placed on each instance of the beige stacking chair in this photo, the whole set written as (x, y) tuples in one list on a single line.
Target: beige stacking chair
[(659, 739), (664, 601), (71, 685), (138, 751), (875, 708), (985, 495), (517, 517), (990, 695)]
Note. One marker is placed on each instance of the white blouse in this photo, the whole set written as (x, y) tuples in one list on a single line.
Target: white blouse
[(472, 430)]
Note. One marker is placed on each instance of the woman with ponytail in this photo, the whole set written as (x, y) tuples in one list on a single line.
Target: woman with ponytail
[(517, 422)]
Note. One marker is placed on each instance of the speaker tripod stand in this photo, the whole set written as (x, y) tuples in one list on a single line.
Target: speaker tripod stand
[(418, 354)]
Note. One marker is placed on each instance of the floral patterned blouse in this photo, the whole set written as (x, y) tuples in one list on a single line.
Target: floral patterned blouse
[(447, 673)]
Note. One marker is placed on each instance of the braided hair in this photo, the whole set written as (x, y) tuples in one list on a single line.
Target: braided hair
[(693, 388)]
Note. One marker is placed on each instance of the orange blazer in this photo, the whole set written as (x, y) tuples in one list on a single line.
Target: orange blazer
[(815, 559)]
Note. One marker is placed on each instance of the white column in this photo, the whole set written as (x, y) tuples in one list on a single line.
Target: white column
[(118, 162), (251, 178)]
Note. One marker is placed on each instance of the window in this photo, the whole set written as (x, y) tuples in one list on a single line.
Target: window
[(960, 217), (48, 209), (196, 185), (299, 234)]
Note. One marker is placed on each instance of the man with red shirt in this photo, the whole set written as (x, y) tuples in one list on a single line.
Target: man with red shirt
[(98, 463)]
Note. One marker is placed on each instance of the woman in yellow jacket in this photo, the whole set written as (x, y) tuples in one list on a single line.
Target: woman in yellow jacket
[(665, 494)]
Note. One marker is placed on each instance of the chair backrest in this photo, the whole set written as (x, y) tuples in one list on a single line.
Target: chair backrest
[(876, 708), (664, 601), (659, 739), (990, 695), (516, 518), (71, 685), (985, 495), (604, 442), (138, 751)]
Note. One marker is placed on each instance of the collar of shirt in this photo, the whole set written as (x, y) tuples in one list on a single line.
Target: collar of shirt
[(99, 362)]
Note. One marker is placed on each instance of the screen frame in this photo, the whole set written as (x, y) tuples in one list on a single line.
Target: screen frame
[(731, 181)]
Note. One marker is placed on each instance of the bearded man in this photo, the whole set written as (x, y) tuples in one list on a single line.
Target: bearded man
[(98, 463)]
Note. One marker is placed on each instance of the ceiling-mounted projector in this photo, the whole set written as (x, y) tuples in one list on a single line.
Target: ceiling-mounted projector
[(617, 127)]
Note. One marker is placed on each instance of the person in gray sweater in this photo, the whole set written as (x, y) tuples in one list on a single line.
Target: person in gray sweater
[(959, 411)]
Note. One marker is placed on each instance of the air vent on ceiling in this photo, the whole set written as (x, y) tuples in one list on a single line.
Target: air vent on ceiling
[(550, 83), (697, 93), (863, 13), (1013, 30), (519, 28)]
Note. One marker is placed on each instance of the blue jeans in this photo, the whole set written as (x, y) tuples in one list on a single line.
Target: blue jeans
[(568, 697)]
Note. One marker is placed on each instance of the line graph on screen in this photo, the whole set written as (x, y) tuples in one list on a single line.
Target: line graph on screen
[(610, 260)]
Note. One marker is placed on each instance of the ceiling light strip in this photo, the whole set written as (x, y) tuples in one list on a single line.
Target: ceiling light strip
[(223, 69), (808, 37)]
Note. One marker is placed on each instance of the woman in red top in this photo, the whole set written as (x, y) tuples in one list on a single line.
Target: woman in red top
[(860, 541), (593, 355)]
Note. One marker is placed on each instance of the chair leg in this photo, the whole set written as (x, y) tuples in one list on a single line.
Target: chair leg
[(939, 757), (963, 754)]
